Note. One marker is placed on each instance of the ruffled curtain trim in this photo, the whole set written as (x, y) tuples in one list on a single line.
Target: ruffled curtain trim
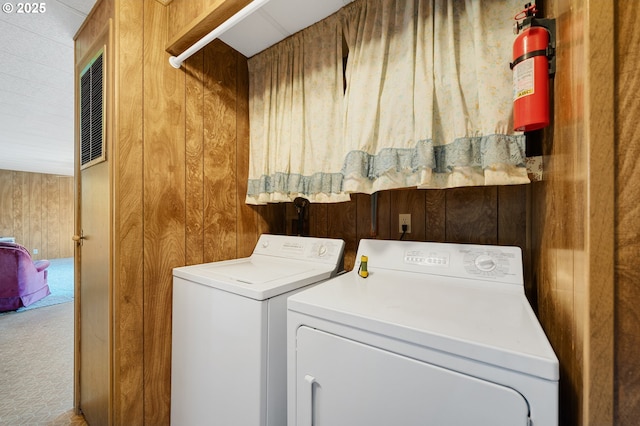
[(483, 160), (473, 161), (285, 187)]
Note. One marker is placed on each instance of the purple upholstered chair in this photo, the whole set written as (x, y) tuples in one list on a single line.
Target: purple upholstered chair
[(22, 281)]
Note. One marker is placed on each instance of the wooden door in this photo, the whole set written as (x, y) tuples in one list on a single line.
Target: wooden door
[(93, 234), (93, 293)]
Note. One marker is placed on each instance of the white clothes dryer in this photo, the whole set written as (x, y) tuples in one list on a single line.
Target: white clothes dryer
[(437, 334), (228, 363)]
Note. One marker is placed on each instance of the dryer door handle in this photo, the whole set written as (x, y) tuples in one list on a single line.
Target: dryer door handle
[(305, 413)]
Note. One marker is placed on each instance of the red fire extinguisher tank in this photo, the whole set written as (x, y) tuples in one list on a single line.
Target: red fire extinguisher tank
[(531, 80)]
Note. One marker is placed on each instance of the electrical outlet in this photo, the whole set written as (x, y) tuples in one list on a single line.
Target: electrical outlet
[(35, 251), (404, 219)]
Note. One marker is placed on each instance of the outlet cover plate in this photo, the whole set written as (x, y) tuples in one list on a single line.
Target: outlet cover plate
[(404, 219)]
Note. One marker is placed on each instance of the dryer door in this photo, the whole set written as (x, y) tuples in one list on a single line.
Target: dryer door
[(343, 382)]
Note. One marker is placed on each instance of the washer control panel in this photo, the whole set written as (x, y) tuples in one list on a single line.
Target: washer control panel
[(324, 250)]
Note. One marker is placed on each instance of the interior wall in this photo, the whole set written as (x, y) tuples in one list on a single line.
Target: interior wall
[(627, 76), (572, 214), (37, 210)]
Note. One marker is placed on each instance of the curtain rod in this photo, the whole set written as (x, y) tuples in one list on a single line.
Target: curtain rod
[(176, 61)]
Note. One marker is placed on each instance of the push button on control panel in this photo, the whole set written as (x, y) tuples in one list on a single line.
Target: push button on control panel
[(417, 257)]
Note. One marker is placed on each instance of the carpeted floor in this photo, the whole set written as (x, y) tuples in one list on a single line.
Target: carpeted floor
[(36, 364)]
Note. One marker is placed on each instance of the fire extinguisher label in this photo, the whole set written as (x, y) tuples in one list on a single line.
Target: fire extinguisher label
[(523, 78)]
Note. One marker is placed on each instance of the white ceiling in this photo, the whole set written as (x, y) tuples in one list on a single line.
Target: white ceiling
[(36, 77), (36, 86), (275, 21)]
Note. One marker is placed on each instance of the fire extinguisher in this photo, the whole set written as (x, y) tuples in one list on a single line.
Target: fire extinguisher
[(533, 65)]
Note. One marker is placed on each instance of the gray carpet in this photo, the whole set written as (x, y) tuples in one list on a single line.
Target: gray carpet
[(36, 367)]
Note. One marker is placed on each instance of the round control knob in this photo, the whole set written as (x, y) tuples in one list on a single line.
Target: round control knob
[(485, 263), (265, 244), (322, 250)]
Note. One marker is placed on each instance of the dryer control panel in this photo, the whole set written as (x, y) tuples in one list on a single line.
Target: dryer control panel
[(479, 262)]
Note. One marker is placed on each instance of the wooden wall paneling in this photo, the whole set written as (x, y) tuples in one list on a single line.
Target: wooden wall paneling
[(559, 212), (194, 151), (215, 13), (599, 196), (572, 242), (385, 231), (50, 208), (387, 216), (435, 215), (411, 201), (549, 304), (21, 208), (128, 181), (67, 216), (51, 217), (35, 215), (569, 279), (248, 225), (472, 215), (513, 226), (220, 198), (627, 109), (545, 265), (22, 205), (92, 26), (364, 226), (6, 203), (164, 207), (271, 219), (56, 251), (512, 215), (181, 13), (341, 223), (316, 221)]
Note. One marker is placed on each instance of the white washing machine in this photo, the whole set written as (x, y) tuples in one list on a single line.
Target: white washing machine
[(228, 363), (437, 334)]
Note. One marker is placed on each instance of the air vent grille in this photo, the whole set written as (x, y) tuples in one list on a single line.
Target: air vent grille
[(92, 112)]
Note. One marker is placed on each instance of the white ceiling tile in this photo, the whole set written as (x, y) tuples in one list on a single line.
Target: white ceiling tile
[(277, 20), (36, 87), (296, 15), (262, 35)]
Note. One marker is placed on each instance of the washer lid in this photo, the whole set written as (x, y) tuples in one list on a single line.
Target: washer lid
[(257, 277), (492, 324), (279, 263)]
